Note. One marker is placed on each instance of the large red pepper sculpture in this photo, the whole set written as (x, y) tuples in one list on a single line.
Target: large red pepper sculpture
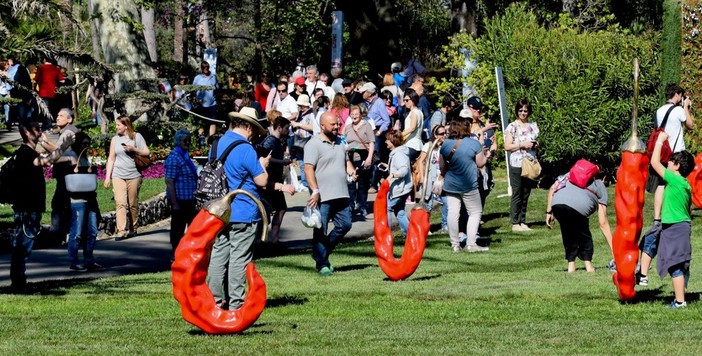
[(417, 232), (695, 180), (629, 201), (189, 273)]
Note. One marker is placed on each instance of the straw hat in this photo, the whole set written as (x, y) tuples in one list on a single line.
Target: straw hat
[(303, 100), (249, 115)]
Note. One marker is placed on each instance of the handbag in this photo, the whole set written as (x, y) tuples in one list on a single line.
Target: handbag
[(142, 162), (531, 168), (300, 142), (84, 182)]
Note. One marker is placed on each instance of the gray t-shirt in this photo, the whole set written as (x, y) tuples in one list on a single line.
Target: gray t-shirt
[(124, 167), (329, 161), (582, 200)]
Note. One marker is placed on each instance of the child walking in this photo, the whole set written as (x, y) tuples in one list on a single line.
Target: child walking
[(674, 249)]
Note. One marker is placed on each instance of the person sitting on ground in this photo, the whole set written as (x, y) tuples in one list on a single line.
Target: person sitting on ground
[(571, 206)]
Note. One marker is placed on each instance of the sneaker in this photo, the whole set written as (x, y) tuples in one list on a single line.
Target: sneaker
[(456, 249), (642, 280), (121, 237), (94, 267), (476, 248), (517, 228), (525, 227), (675, 304), (462, 239), (362, 212), (77, 267), (612, 266), (132, 233), (325, 271)]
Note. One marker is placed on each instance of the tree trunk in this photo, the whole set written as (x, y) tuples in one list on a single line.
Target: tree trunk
[(203, 30), (178, 32), (94, 31), (147, 19), (122, 45)]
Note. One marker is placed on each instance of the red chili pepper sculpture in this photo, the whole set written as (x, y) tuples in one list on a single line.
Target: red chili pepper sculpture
[(189, 272), (628, 203), (695, 180), (414, 244)]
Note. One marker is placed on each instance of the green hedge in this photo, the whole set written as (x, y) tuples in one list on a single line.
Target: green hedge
[(579, 83)]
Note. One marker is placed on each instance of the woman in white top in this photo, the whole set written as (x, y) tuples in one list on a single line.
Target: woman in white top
[(122, 172), (520, 140), (413, 124)]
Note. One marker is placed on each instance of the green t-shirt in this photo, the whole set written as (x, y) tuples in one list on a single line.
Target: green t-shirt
[(676, 199)]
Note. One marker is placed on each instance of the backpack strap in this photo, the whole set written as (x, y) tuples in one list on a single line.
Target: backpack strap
[(229, 149), (665, 118)]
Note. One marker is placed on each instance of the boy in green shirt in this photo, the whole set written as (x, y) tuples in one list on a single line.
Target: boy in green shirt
[(674, 250)]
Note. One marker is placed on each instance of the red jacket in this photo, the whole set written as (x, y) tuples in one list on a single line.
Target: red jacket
[(47, 78)]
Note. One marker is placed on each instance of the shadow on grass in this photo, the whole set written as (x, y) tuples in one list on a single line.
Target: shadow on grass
[(355, 267), (657, 296), (425, 278), (198, 332), (285, 301)]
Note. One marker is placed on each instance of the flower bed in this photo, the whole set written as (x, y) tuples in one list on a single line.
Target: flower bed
[(155, 170)]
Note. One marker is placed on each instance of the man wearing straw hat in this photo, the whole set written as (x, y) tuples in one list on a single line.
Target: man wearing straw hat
[(233, 248)]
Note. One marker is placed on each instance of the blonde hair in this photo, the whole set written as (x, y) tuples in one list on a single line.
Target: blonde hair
[(388, 80)]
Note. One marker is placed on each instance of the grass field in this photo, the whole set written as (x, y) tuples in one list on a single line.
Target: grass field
[(515, 298)]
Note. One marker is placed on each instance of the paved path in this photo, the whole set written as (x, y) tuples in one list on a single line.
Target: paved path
[(150, 251)]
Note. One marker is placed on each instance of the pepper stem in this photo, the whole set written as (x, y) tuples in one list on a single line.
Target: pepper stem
[(221, 208), (633, 143)]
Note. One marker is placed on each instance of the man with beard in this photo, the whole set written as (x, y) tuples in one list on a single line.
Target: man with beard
[(327, 168)]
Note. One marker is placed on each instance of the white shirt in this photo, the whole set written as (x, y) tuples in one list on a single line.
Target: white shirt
[(287, 106), (674, 127), (311, 86)]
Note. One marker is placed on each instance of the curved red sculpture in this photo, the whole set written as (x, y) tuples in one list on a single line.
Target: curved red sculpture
[(189, 273), (414, 244), (628, 203), (695, 180)]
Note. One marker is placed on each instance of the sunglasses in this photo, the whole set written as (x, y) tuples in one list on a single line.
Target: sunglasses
[(441, 133)]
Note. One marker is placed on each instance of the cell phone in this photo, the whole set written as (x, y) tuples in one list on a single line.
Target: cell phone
[(124, 144), (382, 167)]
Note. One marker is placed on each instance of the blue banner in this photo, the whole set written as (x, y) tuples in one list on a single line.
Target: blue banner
[(337, 39)]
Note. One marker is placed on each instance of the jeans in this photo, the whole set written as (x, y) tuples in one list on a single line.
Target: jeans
[(27, 227), (444, 212), (322, 243), (226, 274), (396, 206), (300, 155), (84, 231), (358, 190)]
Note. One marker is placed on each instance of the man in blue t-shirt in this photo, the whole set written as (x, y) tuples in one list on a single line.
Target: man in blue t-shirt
[(206, 105), (233, 248)]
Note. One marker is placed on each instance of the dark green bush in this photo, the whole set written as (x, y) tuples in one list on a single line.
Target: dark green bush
[(579, 83)]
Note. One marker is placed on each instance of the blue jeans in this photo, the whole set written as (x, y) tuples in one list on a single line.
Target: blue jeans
[(322, 244), (358, 190), (84, 231), (444, 212), (396, 206), (301, 160), (27, 226)]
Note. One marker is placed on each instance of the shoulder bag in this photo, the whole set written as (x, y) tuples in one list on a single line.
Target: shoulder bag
[(81, 182), (438, 186), (531, 168)]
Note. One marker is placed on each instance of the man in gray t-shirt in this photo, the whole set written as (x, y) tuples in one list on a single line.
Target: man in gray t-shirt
[(572, 206), (326, 169)]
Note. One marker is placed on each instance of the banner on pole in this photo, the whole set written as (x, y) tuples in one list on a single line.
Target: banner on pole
[(504, 116), (337, 39)]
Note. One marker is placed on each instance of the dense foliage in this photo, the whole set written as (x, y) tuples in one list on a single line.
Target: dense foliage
[(691, 70), (580, 83)]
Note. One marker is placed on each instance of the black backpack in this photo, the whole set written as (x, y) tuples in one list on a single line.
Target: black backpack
[(212, 183)]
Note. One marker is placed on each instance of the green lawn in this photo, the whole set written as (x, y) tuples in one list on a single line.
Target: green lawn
[(515, 298), (149, 189)]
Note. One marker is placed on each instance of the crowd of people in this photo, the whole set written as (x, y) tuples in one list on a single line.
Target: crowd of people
[(343, 137)]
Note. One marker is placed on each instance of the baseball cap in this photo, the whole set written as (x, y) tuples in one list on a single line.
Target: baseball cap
[(474, 102), (368, 87), (300, 80)]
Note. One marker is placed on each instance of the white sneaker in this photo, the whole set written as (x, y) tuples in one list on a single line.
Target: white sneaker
[(525, 227), (456, 249), (517, 228), (476, 248)]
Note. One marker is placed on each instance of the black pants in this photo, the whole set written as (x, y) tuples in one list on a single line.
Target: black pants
[(179, 219), (575, 230), (521, 189)]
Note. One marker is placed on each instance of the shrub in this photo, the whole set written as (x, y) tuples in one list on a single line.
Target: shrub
[(580, 84)]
